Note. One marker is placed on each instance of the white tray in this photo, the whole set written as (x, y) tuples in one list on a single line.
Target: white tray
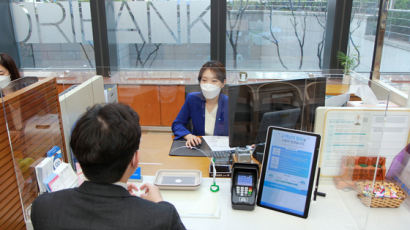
[(178, 179)]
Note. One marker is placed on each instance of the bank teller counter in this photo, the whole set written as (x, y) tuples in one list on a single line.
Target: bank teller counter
[(217, 211)]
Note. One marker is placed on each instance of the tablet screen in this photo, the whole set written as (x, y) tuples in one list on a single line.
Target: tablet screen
[(288, 171)]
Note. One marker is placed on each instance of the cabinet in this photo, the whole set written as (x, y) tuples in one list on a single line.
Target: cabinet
[(171, 100), (156, 105), (62, 87)]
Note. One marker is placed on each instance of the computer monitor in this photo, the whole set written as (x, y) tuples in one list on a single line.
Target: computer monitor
[(284, 103)]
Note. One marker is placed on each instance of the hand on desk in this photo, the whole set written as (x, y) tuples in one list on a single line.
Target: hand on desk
[(148, 191), (192, 140)]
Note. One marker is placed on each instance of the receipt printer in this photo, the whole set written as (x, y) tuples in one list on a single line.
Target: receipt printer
[(244, 185)]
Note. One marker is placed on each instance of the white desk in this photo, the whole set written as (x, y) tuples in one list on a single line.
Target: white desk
[(338, 210)]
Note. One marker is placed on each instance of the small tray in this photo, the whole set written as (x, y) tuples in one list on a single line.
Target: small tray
[(178, 179)]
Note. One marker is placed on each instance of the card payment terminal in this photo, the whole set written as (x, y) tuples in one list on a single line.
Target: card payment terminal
[(244, 182)]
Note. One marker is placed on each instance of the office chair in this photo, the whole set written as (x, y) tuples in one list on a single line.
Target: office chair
[(314, 97), (277, 96)]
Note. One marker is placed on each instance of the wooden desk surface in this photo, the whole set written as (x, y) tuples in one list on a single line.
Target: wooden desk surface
[(153, 155), (336, 89)]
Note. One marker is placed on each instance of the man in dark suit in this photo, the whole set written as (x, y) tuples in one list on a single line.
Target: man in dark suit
[(105, 141)]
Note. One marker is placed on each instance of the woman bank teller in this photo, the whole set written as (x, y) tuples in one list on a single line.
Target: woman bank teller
[(8, 70), (208, 109)]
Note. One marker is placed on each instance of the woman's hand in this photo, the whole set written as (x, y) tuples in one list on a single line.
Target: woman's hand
[(192, 140)]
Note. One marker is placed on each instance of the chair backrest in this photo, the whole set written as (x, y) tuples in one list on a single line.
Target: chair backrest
[(314, 93), (277, 96), (287, 118), (311, 90)]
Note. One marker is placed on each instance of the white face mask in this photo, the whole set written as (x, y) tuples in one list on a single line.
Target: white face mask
[(4, 81), (210, 91)]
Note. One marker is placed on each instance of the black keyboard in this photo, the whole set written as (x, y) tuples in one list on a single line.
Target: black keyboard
[(222, 154)]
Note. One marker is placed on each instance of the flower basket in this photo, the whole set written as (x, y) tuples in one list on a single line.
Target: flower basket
[(384, 194)]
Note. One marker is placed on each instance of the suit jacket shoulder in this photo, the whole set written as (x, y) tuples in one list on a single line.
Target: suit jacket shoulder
[(101, 206)]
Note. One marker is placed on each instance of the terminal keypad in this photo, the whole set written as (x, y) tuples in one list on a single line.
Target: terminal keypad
[(244, 190)]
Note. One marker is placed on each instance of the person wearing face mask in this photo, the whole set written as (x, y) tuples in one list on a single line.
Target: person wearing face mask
[(208, 109), (8, 70)]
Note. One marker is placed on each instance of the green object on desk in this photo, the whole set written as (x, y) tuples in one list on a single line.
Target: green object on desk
[(214, 187)]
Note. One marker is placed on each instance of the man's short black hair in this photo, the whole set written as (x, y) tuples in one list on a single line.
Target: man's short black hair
[(104, 141)]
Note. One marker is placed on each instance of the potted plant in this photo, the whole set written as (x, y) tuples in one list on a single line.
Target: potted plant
[(348, 62)]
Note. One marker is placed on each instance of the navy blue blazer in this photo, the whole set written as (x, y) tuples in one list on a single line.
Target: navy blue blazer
[(194, 109)]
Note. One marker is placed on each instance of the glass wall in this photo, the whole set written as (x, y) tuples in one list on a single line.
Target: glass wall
[(275, 35), (396, 47), (265, 35), (160, 34), (394, 67), (54, 34), (362, 35)]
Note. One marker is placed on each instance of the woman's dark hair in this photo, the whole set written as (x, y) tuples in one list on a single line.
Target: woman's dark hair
[(215, 67), (104, 141), (10, 65)]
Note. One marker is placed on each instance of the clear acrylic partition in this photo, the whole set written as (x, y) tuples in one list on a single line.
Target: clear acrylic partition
[(36, 119), (359, 143), (32, 126), (157, 96), (390, 195)]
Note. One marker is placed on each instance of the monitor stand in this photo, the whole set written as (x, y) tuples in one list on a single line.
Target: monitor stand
[(258, 152), (316, 192), (243, 154)]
